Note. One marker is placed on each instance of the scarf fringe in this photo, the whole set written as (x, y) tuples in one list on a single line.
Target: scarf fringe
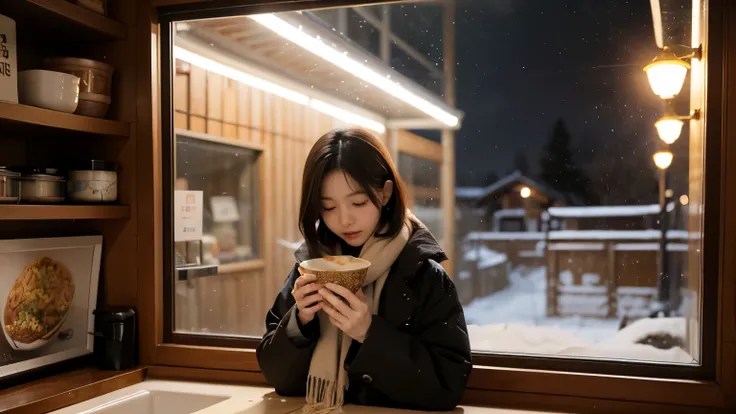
[(321, 396)]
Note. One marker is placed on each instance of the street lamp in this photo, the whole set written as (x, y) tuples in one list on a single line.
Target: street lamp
[(663, 160), (670, 125), (666, 75), (667, 72)]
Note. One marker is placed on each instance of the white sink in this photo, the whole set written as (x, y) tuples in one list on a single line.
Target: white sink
[(179, 397), (155, 402)]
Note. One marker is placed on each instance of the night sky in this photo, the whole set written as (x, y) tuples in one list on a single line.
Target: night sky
[(521, 64)]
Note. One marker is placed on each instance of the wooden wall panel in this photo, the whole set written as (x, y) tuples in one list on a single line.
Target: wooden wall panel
[(228, 303), (197, 91)]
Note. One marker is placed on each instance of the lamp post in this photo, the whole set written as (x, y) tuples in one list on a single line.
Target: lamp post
[(663, 160), (666, 75)]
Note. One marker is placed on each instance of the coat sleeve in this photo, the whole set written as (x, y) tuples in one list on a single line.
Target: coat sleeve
[(428, 370), (285, 351)]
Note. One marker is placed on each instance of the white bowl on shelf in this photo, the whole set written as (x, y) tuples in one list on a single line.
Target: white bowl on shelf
[(48, 89)]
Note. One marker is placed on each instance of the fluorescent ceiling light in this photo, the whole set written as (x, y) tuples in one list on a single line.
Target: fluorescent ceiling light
[(266, 86), (328, 53), (346, 116), (250, 80)]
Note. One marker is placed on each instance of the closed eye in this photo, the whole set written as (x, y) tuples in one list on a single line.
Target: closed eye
[(360, 204)]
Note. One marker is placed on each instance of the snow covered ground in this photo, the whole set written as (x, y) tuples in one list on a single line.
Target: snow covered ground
[(514, 320)]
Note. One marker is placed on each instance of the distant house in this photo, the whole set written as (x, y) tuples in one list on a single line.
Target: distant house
[(514, 203)]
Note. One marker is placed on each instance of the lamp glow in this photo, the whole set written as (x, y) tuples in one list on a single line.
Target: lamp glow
[(663, 159), (346, 116), (525, 192), (684, 199), (666, 74), (669, 129)]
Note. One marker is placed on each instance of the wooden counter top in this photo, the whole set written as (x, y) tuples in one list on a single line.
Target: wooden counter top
[(65, 389)]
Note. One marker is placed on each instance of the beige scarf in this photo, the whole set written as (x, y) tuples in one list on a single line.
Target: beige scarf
[(327, 376)]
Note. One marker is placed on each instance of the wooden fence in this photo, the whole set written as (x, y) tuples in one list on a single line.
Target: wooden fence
[(594, 273)]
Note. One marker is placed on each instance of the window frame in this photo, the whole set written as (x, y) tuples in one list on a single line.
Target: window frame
[(500, 380)]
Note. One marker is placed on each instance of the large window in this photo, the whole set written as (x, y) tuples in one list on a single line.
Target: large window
[(569, 242)]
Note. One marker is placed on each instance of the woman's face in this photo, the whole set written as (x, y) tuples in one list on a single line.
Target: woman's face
[(348, 211)]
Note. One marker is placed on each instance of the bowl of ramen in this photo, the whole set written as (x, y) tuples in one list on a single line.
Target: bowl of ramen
[(37, 304), (346, 271)]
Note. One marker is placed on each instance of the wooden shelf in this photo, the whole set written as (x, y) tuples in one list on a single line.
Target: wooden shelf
[(60, 17), (62, 212), (32, 115)]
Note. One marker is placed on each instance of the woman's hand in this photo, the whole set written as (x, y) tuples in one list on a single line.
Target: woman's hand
[(308, 301), (352, 317)]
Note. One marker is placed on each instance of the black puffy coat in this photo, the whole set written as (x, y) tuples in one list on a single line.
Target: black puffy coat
[(417, 352)]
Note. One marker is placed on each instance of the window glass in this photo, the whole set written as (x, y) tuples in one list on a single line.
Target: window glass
[(567, 239), (422, 179), (225, 178)]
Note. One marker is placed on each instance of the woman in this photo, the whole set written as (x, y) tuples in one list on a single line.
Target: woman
[(402, 341)]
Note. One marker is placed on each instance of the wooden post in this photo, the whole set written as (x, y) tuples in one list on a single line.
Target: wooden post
[(386, 34), (448, 138), (552, 278), (342, 21), (611, 283), (392, 142)]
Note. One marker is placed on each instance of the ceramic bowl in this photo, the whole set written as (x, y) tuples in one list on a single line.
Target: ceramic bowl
[(346, 271), (50, 90)]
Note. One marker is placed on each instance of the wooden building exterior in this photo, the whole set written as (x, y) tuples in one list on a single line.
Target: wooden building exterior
[(275, 134)]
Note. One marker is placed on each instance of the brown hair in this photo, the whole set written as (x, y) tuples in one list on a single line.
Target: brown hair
[(366, 160)]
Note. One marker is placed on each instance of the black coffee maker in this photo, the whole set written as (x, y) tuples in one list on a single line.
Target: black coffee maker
[(116, 340)]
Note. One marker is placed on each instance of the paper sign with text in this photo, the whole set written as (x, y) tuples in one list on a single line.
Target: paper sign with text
[(188, 215), (224, 209)]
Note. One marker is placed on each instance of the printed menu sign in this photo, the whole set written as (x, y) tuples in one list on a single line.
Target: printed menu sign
[(8, 61), (187, 215), (224, 209)]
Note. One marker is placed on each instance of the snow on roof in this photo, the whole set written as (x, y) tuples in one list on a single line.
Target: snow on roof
[(581, 235), (604, 211), (516, 176), (509, 212), (604, 234), (469, 192), (504, 235)]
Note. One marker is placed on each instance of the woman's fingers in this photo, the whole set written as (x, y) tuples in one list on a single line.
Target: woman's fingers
[(337, 318), (310, 310), (306, 290), (335, 301), (303, 280), (309, 300), (354, 301)]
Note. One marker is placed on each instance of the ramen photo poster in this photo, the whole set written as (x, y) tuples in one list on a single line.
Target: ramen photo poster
[(48, 291)]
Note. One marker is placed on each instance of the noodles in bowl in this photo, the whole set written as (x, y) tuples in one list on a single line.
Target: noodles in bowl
[(346, 271), (37, 304)]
